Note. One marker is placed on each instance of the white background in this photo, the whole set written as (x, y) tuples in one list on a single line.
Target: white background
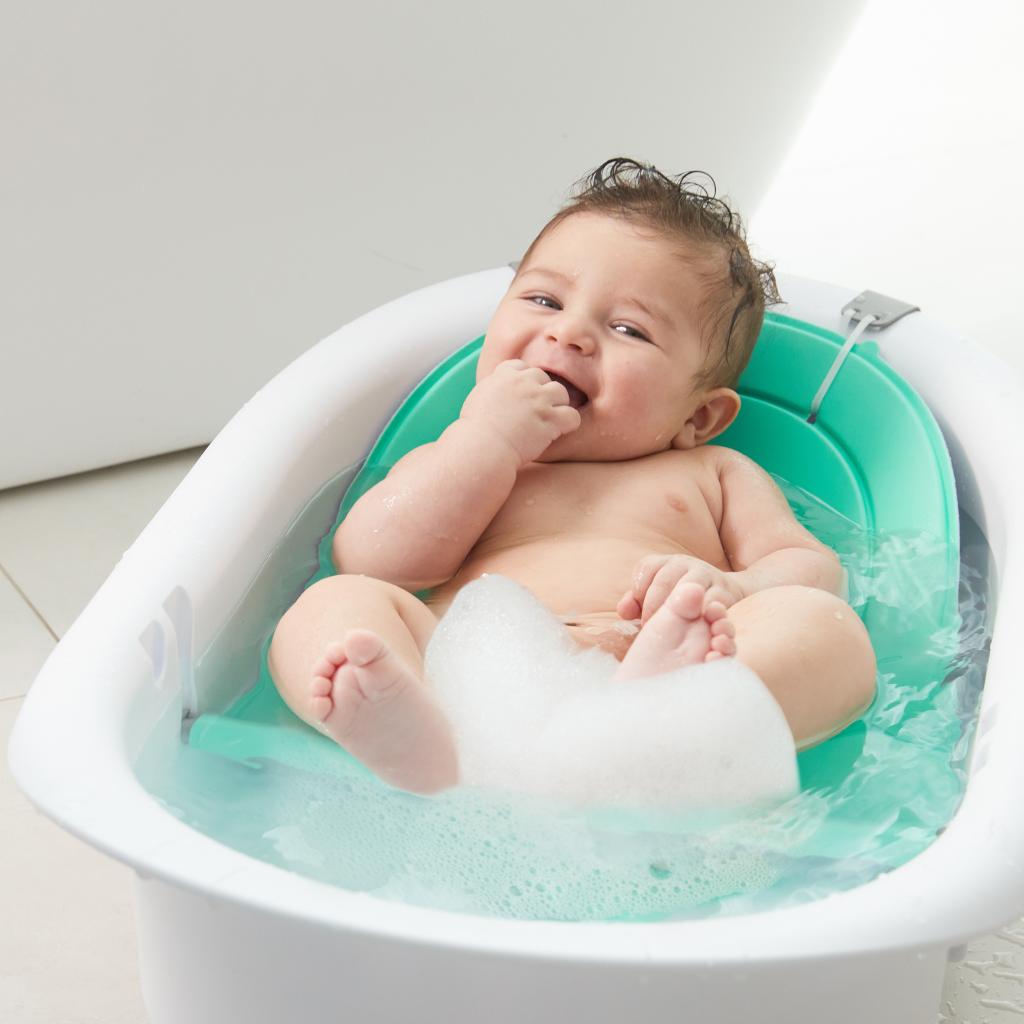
[(191, 194), (908, 177)]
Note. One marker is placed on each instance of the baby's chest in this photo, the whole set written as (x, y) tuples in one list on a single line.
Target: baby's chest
[(666, 499)]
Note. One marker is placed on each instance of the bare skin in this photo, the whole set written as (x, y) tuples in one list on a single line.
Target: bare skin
[(370, 702), (579, 467)]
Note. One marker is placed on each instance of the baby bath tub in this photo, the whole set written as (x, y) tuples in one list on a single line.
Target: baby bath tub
[(224, 937)]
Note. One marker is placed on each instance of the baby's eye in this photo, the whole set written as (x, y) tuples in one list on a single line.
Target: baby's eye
[(543, 300), (629, 331)]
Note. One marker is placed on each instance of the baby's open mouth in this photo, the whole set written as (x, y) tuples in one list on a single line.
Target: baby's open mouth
[(577, 398)]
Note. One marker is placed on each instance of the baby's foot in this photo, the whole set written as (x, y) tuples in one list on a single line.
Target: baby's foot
[(678, 633), (371, 703)]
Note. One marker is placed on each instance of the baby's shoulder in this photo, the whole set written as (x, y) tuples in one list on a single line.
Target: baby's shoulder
[(704, 460)]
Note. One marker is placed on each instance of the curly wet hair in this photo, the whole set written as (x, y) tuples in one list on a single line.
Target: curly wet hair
[(710, 238)]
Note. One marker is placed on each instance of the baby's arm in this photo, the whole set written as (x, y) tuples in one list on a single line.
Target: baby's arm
[(761, 537), (416, 527)]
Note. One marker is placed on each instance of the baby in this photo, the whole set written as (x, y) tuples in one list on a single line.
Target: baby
[(580, 468)]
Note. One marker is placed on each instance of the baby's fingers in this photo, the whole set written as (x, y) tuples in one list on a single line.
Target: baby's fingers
[(628, 607), (567, 419), (644, 574), (664, 583)]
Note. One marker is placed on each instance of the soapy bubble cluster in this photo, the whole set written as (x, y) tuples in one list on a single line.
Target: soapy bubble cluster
[(534, 713)]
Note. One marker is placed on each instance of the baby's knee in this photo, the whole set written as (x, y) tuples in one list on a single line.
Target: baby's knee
[(342, 587), (848, 641), (833, 618), (820, 624), (319, 612), (320, 600)]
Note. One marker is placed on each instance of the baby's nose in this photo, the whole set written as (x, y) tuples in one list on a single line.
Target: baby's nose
[(572, 331)]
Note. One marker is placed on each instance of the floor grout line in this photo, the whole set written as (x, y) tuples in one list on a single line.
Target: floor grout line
[(35, 611)]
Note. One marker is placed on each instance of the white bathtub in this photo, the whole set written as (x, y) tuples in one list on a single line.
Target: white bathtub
[(226, 938)]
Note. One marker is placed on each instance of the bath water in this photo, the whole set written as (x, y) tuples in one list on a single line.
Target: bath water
[(870, 799)]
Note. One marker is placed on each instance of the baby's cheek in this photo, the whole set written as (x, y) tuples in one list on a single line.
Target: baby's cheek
[(646, 405), (485, 364)]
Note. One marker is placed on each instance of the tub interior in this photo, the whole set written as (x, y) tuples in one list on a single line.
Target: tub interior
[(234, 657), (226, 669), (231, 664)]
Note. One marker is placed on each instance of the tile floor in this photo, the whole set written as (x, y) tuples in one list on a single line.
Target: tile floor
[(67, 942), (67, 952)]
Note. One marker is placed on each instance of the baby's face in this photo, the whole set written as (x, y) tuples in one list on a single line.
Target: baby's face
[(613, 310)]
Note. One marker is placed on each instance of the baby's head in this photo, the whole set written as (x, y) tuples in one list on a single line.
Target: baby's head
[(642, 293)]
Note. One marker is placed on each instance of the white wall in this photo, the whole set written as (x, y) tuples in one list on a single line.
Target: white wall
[(193, 193), (906, 178)]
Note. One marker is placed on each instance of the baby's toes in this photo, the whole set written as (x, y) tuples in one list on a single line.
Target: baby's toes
[(320, 708), (723, 632), (363, 646), (716, 612), (686, 599), (723, 627), (318, 696), (346, 700), (319, 701), (333, 656), (724, 645)]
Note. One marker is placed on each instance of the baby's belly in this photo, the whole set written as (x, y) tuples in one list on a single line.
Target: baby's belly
[(580, 580), (568, 575)]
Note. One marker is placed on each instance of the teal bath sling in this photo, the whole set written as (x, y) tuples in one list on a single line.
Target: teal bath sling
[(874, 454)]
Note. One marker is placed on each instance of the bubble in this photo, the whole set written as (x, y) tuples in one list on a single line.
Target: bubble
[(550, 722)]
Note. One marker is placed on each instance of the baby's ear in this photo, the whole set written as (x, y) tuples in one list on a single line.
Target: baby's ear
[(712, 417)]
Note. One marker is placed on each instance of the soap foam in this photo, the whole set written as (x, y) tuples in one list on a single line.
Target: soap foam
[(533, 712)]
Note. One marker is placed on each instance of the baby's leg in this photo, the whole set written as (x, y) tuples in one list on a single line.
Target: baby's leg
[(812, 651), (347, 658), (807, 646)]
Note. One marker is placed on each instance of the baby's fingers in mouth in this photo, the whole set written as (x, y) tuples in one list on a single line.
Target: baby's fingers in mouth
[(577, 397)]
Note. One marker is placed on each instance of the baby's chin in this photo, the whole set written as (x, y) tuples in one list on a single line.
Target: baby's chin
[(586, 448)]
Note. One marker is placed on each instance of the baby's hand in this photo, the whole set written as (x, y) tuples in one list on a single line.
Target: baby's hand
[(526, 408), (656, 576)]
